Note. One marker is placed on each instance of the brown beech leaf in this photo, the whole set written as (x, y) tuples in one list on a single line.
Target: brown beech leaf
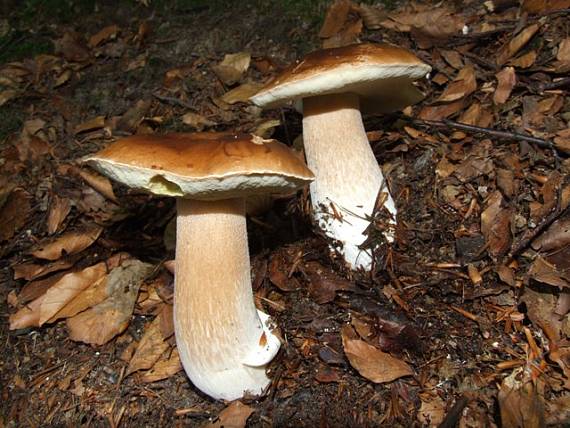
[(538, 6), (8, 95), (56, 297), (58, 211), (278, 272), (496, 225), (30, 271), (524, 61), (14, 213), (104, 321), (464, 84), (166, 321), (149, 349), (521, 400), (432, 411), (196, 121), (28, 316), (67, 288), (108, 33), (371, 362), (324, 283), (97, 181), (556, 236), (233, 67), (442, 111), (34, 289), (242, 93), (372, 16), (163, 369), (543, 271), (233, 416), (68, 243), (335, 18), (507, 79), (508, 50), (97, 122)]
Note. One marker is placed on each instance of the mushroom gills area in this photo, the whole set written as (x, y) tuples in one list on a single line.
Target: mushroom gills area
[(223, 343), (347, 175)]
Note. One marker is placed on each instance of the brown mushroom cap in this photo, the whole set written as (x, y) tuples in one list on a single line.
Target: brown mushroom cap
[(380, 74), (206, 166)]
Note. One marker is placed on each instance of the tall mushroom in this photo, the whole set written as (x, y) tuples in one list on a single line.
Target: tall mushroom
[(223, 341), (335, 85)]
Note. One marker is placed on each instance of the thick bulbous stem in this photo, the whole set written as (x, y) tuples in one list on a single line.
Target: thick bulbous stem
[(223, 344), (348, 177)]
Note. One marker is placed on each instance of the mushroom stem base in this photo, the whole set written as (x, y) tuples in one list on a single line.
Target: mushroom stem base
[(348, 177), (218, 329)]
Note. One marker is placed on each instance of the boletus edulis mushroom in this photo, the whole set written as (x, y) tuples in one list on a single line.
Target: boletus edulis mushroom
[(223, 340), (335, 85)]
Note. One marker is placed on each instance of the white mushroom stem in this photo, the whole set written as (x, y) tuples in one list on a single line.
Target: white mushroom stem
[(223, 344), (348, 177)]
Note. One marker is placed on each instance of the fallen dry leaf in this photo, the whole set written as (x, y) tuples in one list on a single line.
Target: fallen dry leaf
[(56, 297), (108, 33), (464, 84), (196, 121), (335, 18), (371, 15), (432, 410), (163, 369), (437, 22), (508, 50), (324, 283), (538, 6), (104, 321), (242, 93), (30, 271), (97, 181), (507, 79), (233, 416), (90, 125), (442, 111), (371, 362), (521, 401), (14, 213), (544, 271), (524, 61), (149, 349), (233, 67), (67, 244), (555, 237), (496, 225), (7, 95), (58, 211)]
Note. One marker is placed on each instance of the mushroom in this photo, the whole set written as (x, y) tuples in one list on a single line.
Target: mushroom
[(335, 85), (223, 340)]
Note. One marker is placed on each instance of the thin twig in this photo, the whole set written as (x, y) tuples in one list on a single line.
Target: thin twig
[(505, 135)]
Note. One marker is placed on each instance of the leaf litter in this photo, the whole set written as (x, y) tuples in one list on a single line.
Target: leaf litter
[(466, 316)]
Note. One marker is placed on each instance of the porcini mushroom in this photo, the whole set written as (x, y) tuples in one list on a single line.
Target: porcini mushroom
[(335, 85), (223, 340)]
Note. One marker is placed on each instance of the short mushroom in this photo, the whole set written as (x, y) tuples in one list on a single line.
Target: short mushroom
[(335, 85), (223, 340)]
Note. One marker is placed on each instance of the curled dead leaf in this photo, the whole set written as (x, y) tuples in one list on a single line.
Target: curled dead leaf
[(233, 67), (104, 321), (68, 243), (149, 349), (371, 362)]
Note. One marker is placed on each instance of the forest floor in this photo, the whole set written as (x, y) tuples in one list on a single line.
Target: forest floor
[(464, 320)]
